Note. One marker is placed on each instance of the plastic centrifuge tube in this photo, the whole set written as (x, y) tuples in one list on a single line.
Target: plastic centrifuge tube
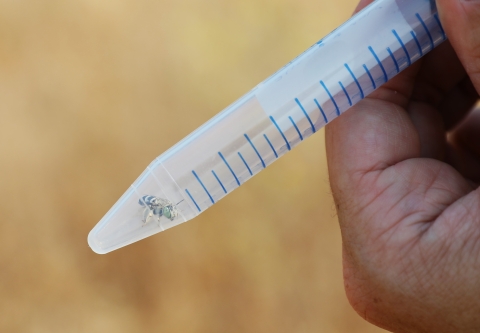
[(305, 95)]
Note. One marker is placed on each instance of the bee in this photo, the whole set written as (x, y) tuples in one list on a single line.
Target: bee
[(157, 207)]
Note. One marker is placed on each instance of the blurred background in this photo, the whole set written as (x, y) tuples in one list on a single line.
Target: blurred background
[(90, 93)]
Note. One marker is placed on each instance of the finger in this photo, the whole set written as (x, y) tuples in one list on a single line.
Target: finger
[(457, 103), (464, 147), (430, 128), (441, 71), (461, 20), (362, 4), (374, 134)]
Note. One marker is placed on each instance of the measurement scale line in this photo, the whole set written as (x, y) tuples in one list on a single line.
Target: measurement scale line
[(370, 76), (379, 63), (346, 93), (295, 125), (321, 110), (362, 95), (245, 162), (186, 190), (417, 42), (220, 182), (254, 148), (403, 47), (306, 115), (271, 146), (283, 135), (201, 183), (426, 30), (440, 26), (331, 97), (394, 59), (230, 168)]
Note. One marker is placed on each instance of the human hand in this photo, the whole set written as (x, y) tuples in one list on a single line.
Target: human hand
[(404, 167)]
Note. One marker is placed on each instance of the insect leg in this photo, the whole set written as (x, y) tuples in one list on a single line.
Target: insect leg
[(147, 214)]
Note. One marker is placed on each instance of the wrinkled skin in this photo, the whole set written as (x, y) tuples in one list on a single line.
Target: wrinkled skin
[(404, 168)]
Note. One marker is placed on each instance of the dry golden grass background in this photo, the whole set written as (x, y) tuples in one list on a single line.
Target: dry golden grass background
[(92, 91)]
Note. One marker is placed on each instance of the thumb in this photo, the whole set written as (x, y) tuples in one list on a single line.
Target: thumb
[(461, 20)]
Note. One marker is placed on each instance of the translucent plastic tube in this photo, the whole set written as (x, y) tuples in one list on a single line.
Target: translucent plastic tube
[(308, 93)]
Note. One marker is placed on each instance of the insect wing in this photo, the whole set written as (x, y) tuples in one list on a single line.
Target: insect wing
[(147, 215), (163, 202)]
